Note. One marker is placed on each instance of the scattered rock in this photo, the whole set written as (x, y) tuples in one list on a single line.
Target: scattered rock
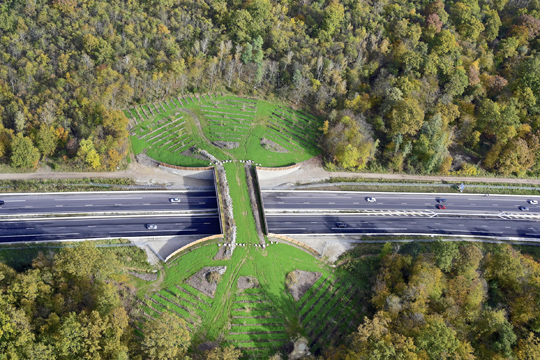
[(300, 349), (269, 145), (299, 282), (226, 144), (144, 276), (247, 282), (207, 279)]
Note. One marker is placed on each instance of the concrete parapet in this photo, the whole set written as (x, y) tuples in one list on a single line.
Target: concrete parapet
[(296, 242), (201, 173), (183, 248), (274, 172)]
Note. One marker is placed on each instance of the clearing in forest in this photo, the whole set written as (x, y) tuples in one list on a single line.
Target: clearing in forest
[(258, 316), (228, 127)]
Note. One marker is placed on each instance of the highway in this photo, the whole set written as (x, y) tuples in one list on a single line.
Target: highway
[(92, 202), (291, 224), (106, 227), (354, 201)]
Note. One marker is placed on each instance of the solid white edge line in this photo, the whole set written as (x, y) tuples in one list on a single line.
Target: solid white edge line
[(395, 192), (105, 192), (107, 217)]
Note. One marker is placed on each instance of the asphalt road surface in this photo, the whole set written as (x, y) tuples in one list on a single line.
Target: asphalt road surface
[(358, 224), (106, 227), (147, 201), (312, 200)]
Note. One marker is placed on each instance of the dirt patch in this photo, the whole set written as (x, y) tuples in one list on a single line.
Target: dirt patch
[(207, 279), (191, 152), (226, 144), (299, 282), (144, 276), (272, 146), (247, 282)]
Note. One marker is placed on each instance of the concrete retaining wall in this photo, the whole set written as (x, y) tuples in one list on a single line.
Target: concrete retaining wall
[(201, 173), (192, 244), (274, 172), (295, 242)]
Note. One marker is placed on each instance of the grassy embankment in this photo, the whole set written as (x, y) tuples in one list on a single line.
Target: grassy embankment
[(164, 136)]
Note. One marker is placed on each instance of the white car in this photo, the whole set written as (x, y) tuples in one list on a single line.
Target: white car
[(174, 200), (533, 202), (151, 226), (371, 199)]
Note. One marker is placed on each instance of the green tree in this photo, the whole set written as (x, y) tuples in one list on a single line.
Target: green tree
[(165, 338), (227, 353), (405, 117), (46, 140), (23, 152), (87, 153), (437, 340)]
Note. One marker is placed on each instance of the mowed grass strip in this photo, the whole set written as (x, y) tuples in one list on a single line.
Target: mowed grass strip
[(318, 305), (186, 305), (317, 320), (269, 321), (185, 299), (168, 306), (257, 337), (312, 291), (320, 292)]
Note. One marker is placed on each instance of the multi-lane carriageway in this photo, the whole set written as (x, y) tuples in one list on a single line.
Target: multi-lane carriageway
[(65, 216), (316, 212)]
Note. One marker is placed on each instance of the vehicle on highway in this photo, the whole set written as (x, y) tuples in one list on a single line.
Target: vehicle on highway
[(340, 224), (371, 199), (174, 200), (533, 202), (440, 201), (151, 226), (523, 208), (441, 207), (1, 202)]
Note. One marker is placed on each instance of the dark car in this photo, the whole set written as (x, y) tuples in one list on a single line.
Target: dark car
[(340, 224), (523, 208), (441, 207), (1, 202), (440, 201)]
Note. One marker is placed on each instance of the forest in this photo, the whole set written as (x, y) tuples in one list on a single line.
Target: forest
[(426, 301), (450, 301), (417, 86)]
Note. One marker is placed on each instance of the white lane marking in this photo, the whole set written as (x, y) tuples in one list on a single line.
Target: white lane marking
[(149, 231), (146, 204), (88, 205), (30, 228), (16, 200), (59, 205), (61, 227), (28, 207), (91, 225), (36, 235), (206, 223), (110, 198)]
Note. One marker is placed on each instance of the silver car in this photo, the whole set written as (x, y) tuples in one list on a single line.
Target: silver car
[(174, 200), (151, 226)]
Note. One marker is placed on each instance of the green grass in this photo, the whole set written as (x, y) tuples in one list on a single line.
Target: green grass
[(298, 136)]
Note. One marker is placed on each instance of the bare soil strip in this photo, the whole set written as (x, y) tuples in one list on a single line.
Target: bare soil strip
[(194, 296), (312, 295)]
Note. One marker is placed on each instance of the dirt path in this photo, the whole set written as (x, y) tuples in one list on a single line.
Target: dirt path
[(312, 171)]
